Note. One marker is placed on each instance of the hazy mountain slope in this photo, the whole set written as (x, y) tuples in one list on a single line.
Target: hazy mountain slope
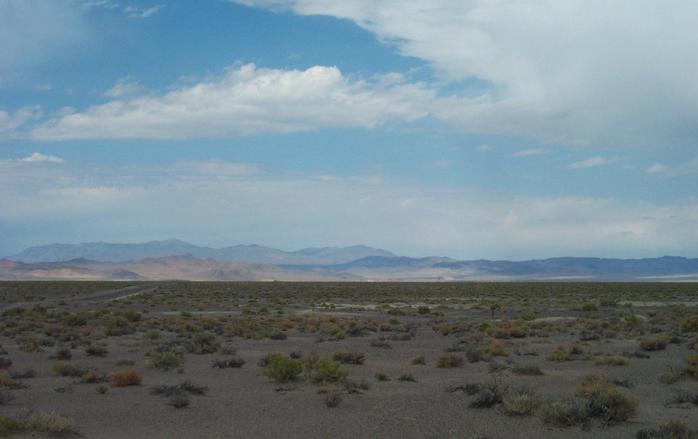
[(167, 268), (108, 252), (338, 255)]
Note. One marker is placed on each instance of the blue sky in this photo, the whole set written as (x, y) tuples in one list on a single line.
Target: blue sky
[(469, 129)]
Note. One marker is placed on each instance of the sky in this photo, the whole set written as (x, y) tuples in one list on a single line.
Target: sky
[(462, 128)]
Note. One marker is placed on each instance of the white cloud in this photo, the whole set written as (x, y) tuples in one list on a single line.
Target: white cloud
[(569, 71), (248, 100), (531, 152), (124, 87), (137, 12), (38, 158), (483, 148), (657, 168), (10, 123), (592, 162), (687, 168)]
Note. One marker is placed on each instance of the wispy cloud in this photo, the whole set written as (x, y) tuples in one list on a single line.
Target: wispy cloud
[(593, 162), (129, 10), (686, 168), (137, 12), (483, 148), (37, 157), (531, 152), (657, 168), (124, 87)]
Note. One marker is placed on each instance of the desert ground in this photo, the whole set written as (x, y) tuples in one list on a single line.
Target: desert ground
[(348, 360)]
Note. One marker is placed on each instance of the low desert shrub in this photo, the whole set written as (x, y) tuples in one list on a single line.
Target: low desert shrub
[(166, 360), (23, 374), (692, 365), (328, 371), (203, 343), (333, 399), (407, 377), (9, 426), (654, 342), (605, 400), (418, 360), (97, 350), (563, 413), (50, 423), (498, 348), (689, 324), (380, 344), (610, 360), (349, 357), (355, 386), (487, 396), (5, 397), (449, 361), (671, 375), (565, 353), (668, 430), (125, 377), (527, 369), (520, 402), (224, 363), (68, 369), (8, 382), (382, 376), (179, 401), (282, 369)]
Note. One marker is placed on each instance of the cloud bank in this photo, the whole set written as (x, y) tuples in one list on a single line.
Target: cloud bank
[(576, 72), (218, 201)]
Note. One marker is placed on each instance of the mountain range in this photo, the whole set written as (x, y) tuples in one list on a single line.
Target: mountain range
[(255, 254), (175, 259)]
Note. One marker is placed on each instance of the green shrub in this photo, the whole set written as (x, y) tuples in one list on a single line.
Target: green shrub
[(690, 324), (692, 365), (166, 360), (118, 326), (282, 369), (328, 371), (9, 426)]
